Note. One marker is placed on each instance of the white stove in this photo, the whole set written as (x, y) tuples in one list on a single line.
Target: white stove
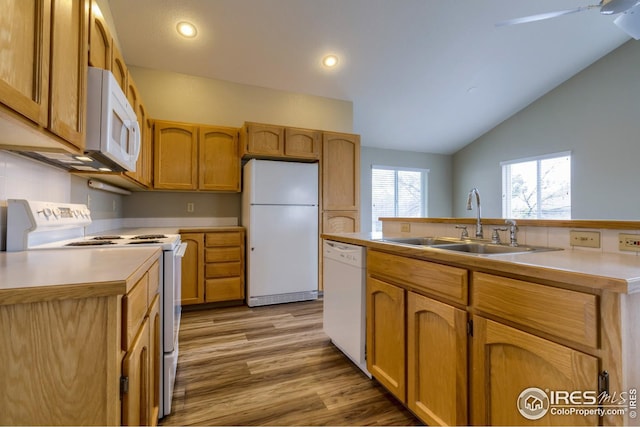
[(36, 225)]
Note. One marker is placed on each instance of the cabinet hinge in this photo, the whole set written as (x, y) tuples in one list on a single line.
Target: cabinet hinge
[(603, 383), (124, 385), (470, 327)]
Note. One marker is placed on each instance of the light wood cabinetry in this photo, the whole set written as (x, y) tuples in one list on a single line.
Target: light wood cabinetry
[(340, 221), (83, 359), (44, 74), (224, 266), (213, 267), (100, 40), (193, 269), (119, 67), (142, 174), (279, 142), (340, 172), (193, 157), (424, 366)]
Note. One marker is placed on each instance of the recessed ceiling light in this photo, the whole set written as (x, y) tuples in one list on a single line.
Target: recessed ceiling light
[(186, 29), (330, 61)]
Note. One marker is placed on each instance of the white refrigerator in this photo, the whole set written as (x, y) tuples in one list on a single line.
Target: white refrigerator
[(280, 214)]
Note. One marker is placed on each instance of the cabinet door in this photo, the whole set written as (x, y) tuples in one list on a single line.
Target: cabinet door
[(68, 78), (386, 335), (25, 57), (219, 162), (436, 361), (100, 40), (340, 172), (119, 68), (341, 222), (135, 367), (193, 269), (302, 143), (175, 152), (507, 361), (155, 355), (265, 140)]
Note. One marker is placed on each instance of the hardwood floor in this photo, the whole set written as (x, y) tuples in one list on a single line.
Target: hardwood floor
[(272, 366)]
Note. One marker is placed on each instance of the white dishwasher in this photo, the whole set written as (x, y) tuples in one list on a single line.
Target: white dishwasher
[(345, 301)]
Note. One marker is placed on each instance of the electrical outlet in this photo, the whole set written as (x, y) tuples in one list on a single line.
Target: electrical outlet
[(405, 227), (587, 239), (190, 207), (629, 242)]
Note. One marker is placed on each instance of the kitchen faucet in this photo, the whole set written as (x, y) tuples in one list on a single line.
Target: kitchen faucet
[(475, 191)]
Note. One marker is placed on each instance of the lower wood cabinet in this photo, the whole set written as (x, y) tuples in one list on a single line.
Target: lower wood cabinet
[(213, 267), (84, 360)]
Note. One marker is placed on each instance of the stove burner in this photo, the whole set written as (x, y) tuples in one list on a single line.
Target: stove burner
[(91, 243), (150, 237), (106, 238), (142, 242)]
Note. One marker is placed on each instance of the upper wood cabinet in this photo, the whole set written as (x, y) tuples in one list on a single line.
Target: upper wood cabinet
[(219, 161), (142, 174), (340, 221), (340, 172), (44, 60), (100, 40), (119, 68), (25, 47), (193, 157), (279, 142), (175, 156), (302, 143), (68, 79)]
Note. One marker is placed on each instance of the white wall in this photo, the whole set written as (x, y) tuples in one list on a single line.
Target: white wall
[(439, 180), (595, 115)]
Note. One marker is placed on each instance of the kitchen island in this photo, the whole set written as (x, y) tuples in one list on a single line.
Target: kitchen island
[(79, 342), (469, 339)]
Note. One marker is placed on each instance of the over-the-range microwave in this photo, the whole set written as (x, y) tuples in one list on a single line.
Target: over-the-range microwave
[(112, 130)]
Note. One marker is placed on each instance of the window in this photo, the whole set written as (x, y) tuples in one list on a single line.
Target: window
[(397, 192), (538, 187)]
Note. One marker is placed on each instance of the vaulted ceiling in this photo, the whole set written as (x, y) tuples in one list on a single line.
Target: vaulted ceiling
[(423, 75)]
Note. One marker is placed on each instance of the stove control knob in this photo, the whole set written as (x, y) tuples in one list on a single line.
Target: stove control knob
[(86, 213), (56, 212), (47, 212), (75, 213)]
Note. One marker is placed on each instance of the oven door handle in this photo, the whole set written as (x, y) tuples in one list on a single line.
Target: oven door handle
[(181, 249)]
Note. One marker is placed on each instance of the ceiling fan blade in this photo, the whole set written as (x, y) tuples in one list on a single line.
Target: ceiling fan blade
[(541, 16), (617, 6)]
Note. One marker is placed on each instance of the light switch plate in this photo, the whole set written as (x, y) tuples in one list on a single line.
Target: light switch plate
[(587, 239)]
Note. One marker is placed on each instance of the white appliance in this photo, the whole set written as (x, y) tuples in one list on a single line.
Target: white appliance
[(280, 213), (112, 140), (35, 225), (345, 302)]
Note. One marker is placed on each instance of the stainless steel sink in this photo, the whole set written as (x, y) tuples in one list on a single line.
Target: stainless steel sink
[(421, 241), (482, 248), (468, 246)]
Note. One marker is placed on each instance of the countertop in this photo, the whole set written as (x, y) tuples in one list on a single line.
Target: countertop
[(580, 270), (42, 275)]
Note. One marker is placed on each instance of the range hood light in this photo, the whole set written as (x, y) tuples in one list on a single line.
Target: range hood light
[(84, 158), (105, 170)]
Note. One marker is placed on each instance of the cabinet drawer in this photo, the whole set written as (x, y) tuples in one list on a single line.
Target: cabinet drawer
[(224, 238), (444, 281), (227, 289), (223, 269), (566, 314), (134, 308), (154, 283), (223, 254)]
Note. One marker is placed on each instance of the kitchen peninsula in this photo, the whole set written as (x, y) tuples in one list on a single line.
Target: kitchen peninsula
[(479, 331)]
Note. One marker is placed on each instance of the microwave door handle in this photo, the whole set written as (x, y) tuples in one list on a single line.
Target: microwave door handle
[(136, 141)]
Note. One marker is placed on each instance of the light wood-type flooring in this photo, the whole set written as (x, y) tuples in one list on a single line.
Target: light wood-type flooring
[(272, 365)]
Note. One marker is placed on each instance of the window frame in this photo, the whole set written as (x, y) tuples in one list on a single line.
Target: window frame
[(506, 180), (423, 189)]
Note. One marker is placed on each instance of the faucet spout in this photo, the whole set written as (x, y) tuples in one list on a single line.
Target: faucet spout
[(472, 192)]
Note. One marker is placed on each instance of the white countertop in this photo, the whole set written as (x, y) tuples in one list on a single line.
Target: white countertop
[(582, 269)]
